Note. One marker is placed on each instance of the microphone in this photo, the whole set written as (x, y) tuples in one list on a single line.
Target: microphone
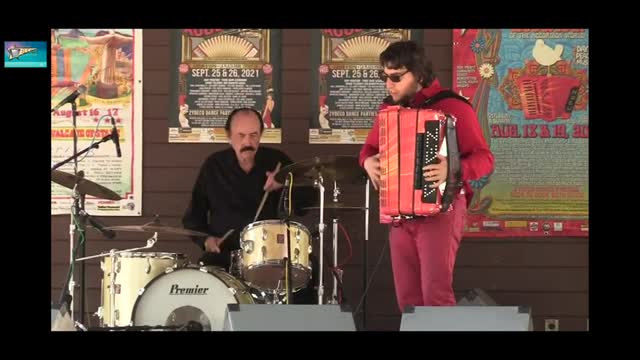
[(109, 234), (71, 97), (115, 137)]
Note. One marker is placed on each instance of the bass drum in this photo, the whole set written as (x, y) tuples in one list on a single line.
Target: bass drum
[(199, 294)]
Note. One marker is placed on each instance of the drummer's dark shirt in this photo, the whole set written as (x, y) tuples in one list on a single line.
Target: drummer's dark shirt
[(226, 197)]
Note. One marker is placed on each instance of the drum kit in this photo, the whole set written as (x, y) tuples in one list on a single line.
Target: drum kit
[(143, 290)]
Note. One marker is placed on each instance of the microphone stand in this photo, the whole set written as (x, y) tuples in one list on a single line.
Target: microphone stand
[(75, 227), (75, 156)]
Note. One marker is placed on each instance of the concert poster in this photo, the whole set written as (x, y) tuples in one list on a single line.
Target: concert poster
[(530, 89), (347, 90), (217, 70), (105, 66)]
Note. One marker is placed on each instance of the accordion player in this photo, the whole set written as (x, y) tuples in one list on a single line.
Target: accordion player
[(411, 138)]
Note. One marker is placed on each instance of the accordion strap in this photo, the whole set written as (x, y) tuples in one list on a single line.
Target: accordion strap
[(454, 170)]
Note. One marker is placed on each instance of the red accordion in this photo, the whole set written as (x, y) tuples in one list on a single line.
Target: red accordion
[(409, 140), (548, 97)]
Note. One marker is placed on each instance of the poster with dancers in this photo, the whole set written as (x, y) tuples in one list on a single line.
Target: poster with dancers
[(104, 66), (217, 70), (530, 90), (347, 90)]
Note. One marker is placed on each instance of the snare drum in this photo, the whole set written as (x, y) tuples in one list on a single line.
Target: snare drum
[(264, 247), (199, 294), (132, 271)]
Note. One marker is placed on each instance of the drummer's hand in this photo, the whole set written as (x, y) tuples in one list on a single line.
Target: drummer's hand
[(272, 184), (212, 244)]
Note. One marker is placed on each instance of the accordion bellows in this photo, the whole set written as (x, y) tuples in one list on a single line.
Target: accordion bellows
[(410, 139)]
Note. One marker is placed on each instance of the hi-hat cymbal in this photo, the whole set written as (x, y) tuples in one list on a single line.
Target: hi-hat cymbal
[(339, 168), (156, 227), (336, 206), (85, 186)]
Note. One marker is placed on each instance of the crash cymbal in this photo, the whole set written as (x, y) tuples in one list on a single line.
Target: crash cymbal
[(156, 227), (340, 168), (336, 206), (85, 186)]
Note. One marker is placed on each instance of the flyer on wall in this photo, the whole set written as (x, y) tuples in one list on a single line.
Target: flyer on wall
[(217, 70), (103, 66), (530, 90), (346, 86)]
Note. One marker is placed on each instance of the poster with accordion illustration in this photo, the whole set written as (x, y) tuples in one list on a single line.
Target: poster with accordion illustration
[(217, 70), (103, 68), (346, 86), (530, 90)]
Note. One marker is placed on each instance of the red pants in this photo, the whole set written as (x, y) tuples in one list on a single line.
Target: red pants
[(423, 253)]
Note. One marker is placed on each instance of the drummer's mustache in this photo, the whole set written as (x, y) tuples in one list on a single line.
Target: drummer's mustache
[(247, 148)]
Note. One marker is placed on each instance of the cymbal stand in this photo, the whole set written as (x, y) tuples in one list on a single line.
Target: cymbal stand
[(319, 183), (338, 272)]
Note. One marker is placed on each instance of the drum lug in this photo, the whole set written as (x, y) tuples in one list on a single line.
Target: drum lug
[(310, 249), (147, 268), (118, 266), (264, 234), (298, 235), (102, 266), (296, 255), (264, 252), (99, 312), (247, 246)]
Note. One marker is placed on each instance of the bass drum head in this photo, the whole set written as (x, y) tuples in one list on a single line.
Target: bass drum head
[(189, 294)]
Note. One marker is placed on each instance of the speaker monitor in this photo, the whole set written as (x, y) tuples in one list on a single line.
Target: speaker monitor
[(466, 318), (271, 317), (476, 297)]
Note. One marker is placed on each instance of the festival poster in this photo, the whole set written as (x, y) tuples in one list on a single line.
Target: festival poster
[(217, 70), (530, 89), (347, 90), (107, 65)]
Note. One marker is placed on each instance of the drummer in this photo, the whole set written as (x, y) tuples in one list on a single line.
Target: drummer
[(230, 186)]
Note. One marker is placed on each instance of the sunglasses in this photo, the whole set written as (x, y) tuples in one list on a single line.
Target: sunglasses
[(393, 77)]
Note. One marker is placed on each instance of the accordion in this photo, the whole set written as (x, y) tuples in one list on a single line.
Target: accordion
[(409, 140), (548, 97)]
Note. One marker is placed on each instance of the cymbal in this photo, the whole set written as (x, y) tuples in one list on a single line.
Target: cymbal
[(157, 228), (85, 186), (339, 168), (336, 206)]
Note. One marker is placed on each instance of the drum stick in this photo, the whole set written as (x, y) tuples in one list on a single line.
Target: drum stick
[(226, 235), (264, 197)]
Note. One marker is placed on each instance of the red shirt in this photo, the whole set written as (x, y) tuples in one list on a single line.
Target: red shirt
[(475, 157)]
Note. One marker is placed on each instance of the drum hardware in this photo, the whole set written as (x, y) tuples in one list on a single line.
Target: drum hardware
[(316, 171)]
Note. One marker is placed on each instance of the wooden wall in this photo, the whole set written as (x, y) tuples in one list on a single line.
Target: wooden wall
[(549, 274)]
